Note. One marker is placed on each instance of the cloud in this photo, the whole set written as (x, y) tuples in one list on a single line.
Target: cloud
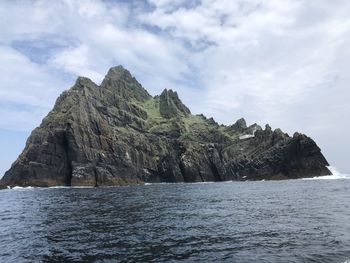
[(282, 62), (27, 90), (78, 38)]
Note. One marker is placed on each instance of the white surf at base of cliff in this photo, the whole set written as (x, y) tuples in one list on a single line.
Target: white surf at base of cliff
[(335, 175)]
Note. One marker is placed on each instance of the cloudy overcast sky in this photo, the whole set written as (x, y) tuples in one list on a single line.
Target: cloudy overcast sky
[(283, 62)]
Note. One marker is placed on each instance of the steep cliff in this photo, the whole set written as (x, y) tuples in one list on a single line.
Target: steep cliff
[(117, 133)]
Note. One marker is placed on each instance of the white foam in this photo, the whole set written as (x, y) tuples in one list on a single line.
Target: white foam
[(51, 187), (22, 188), (335, 175), (69, 187)]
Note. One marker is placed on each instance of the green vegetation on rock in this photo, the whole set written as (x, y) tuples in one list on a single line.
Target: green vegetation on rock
[(117, 133)]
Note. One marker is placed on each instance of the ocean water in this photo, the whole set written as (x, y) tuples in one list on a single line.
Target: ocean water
[(266, 221)]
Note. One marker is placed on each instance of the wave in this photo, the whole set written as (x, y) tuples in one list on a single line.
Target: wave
[(335, 175), (50, 187), (20, 187), (70, 187)]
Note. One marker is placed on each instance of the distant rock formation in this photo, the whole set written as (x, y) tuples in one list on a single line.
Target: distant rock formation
[(117, 133)]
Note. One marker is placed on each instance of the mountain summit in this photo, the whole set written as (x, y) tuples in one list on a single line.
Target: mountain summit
[(117, 133)]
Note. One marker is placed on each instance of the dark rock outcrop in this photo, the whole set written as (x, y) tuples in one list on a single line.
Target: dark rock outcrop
[(116, 133), (171, 106)]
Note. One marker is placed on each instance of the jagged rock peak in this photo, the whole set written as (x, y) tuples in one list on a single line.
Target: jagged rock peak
[(116, 134), (82, 82), (118, 72), (279, 132), (120, 81), (170, 105), (240, 125), (268, 128)]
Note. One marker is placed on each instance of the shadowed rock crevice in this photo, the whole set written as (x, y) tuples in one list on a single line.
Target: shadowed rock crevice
[(200, 175), (96, 177), (215, 172), (66, 147), (183, 172), (116, 133)]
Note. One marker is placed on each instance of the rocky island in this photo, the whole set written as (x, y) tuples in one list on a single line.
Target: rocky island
[(116, 133)]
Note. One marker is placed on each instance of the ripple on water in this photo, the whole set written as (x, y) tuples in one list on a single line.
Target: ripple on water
[(290, 221)]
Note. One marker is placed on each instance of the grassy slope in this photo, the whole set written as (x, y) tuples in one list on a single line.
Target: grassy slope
[(189, 127)]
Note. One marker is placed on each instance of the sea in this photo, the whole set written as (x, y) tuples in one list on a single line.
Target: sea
[(261, 221)]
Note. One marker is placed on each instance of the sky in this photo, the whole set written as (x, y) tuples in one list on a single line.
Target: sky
[(282, 62)]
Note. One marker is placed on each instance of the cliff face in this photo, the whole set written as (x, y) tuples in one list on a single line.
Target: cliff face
[(116, 133)]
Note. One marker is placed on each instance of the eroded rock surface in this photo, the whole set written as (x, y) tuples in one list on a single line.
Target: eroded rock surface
[(117, 133)]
